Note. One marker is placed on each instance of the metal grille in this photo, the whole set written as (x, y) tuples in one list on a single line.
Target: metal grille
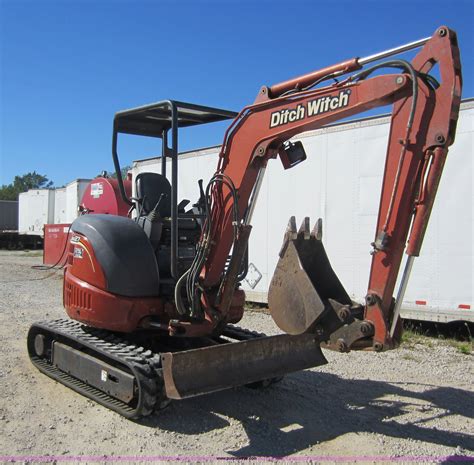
[(77, 297)]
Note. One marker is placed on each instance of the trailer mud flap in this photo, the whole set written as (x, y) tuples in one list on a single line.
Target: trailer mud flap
[(304, 287), (200, 371)]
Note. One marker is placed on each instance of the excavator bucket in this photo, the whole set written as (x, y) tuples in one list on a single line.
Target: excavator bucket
[(304, 287)]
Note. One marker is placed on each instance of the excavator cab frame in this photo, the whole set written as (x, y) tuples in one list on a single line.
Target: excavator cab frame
[(163, 120)]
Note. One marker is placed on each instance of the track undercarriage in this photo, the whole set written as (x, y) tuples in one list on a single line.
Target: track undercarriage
[(135, 375)]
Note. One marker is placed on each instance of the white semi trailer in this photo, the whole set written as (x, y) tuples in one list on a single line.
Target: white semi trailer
[(340, 182), (38, 207)]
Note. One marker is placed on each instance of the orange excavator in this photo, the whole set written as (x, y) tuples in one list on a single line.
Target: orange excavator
[(153, 298)]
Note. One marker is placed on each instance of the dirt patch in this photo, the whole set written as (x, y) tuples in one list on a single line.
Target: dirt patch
[(417, 401)]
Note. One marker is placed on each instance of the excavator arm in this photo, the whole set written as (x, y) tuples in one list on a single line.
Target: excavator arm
[(422, 128)]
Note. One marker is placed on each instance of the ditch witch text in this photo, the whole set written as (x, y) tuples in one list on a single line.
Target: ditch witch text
[(311, 108)]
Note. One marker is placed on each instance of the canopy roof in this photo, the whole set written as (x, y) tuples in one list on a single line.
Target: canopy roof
[(151, 120)]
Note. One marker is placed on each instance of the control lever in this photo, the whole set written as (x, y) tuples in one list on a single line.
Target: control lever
[(153, 215), (202, 198), (182, 205)]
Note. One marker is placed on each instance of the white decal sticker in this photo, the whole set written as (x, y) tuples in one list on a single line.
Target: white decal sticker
[(97, 189), (78, 251), (253, 276)]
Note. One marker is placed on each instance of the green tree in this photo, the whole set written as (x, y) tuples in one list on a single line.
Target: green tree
[(124, 170), (23, 183)]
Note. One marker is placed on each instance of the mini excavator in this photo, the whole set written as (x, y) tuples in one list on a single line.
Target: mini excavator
[(153, 298)]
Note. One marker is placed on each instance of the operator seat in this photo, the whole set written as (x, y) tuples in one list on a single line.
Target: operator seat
[(149, 187)]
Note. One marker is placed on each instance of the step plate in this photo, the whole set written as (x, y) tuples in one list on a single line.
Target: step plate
[(199, 371)]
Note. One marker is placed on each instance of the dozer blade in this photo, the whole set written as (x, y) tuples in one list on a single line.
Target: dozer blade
[(304, 286), (200, 371)]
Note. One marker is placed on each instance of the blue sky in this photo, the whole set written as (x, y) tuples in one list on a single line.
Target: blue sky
[(67, 66)]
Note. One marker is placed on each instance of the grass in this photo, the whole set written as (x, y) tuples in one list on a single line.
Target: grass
[(465, 348), (457, 336), (411, 337), (462, 347)]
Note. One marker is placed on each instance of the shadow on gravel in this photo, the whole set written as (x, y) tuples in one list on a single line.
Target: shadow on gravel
[(308, 408)]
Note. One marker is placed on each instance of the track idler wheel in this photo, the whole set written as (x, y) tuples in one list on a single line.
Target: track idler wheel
[(303, 281)]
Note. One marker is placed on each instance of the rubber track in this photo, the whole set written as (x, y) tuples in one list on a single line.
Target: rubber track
[(142, 363), (241, 334)]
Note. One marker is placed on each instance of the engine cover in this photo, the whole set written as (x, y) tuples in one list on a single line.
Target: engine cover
[(120, 249)]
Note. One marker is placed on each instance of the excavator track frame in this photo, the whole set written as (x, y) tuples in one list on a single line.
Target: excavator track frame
[(108, 349), (154, 387)]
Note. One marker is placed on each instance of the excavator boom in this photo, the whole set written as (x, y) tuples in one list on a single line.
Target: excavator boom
[(422, 128)]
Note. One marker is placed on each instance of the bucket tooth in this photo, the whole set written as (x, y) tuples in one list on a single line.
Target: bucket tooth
[(304, 229), (291, 229), (290, 235), (317, 231), (304, 283)]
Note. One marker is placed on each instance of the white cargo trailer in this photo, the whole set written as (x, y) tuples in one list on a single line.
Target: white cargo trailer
[(74, 192), (60, 205), (340, 182), (36, 208), (67, 200)]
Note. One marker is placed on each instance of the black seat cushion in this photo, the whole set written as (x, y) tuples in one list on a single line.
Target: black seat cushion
[(149, 187), (124, 253)]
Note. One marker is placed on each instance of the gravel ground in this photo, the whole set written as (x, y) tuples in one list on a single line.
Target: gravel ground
[(413, 402)]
